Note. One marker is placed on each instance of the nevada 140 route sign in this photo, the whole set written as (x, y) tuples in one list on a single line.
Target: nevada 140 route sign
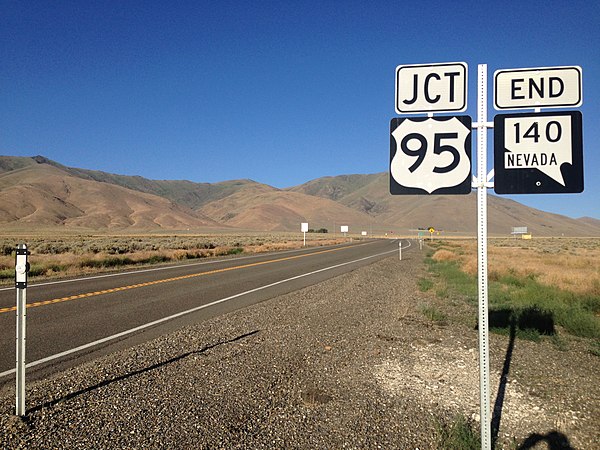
[(430, 155), (538, 153)]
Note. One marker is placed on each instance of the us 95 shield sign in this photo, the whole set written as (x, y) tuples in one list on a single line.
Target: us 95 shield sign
[(539, 153), (430, 155)]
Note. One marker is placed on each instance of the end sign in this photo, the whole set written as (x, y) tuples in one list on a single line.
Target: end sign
[(541, 87)]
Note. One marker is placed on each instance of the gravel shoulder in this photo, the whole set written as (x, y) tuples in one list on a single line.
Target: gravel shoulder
[(348, 363)]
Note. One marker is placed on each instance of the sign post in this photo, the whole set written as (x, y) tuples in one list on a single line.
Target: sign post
[(304, 229), (21, 269), (482, 184)]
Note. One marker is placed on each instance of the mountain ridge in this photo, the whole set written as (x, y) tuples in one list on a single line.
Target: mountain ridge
[(109, 201)]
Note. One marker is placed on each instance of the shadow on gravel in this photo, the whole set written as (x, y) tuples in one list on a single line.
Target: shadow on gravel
[(529, 319), (499, 403), (137, 372), (554, 439)]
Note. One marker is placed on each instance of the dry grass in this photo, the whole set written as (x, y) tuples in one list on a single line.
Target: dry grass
[(71, 255), (569, 264)]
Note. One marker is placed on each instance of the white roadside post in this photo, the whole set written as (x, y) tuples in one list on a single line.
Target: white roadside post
[(400, 250), (304, 229), (21, 269)]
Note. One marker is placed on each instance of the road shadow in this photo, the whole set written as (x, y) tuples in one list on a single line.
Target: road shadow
[(527, 322), (72, 395)]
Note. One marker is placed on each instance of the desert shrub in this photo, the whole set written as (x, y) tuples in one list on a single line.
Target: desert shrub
[(424, 284), (7, 250), (434, 314), (444, 255), (460, 434)]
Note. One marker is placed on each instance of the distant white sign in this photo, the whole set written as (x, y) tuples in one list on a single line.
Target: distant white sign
[(541, 87), (363, 233), (344, 229), (439, 87), (519, 230), (304, 227)]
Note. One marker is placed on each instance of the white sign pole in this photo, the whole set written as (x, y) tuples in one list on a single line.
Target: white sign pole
[(400, 250), (482, 185), (304, 229), (21, 287)]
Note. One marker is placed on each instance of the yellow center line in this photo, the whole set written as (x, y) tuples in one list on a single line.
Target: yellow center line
[(168, 280)]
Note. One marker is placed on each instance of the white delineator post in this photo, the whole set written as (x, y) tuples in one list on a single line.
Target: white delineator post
[(21, 287), (482, 183), (400, 250)]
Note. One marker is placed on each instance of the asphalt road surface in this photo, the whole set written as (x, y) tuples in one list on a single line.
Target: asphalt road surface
[(72, 321)]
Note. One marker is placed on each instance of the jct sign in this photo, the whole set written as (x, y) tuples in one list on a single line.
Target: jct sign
[(427, 88)]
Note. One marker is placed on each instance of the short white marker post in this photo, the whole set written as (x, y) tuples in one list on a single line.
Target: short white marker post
[(21, 269), (400, 250)]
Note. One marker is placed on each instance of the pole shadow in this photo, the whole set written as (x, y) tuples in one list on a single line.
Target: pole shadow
[(525, 320), (72, 395), (499, 403)]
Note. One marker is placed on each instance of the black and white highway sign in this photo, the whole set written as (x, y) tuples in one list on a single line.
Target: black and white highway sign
[(542, 87), (428, 88), (430, 155), (538, 153)]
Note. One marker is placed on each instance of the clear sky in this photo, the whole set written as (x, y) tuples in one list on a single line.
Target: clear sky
[(280, 92)]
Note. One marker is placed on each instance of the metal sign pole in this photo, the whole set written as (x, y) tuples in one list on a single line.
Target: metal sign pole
[(482, 185), (21, 269)]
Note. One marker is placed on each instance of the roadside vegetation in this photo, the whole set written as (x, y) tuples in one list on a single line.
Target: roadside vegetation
[(458, 434), (545, 288), (72, 255)]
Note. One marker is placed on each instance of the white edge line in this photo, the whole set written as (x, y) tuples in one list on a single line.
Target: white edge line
[(182, 313)]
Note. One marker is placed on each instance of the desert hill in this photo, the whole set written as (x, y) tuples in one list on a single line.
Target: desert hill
[(451, 213), (40, 192)]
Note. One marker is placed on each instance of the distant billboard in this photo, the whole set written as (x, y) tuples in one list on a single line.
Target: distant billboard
[(519, 230)]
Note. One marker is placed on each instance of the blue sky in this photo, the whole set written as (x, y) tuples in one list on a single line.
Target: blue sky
[(279, 92)]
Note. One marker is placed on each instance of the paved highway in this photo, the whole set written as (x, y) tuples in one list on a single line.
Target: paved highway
[(72, 321)]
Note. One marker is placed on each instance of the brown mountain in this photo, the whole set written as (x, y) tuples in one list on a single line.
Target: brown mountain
[(260, 207), (37, 191), (451, 213), (34, 193)]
